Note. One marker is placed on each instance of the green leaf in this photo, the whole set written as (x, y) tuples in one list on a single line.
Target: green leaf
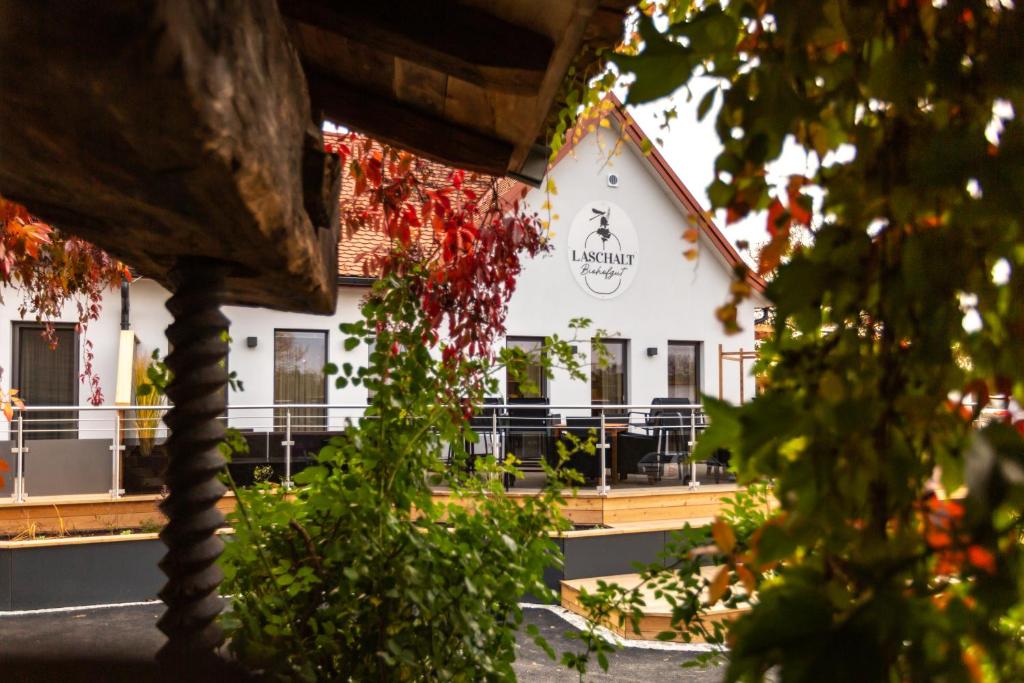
[(660, 69), (705, 104), (724, 431)]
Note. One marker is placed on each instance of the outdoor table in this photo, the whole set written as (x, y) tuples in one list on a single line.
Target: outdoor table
[(612, 431)]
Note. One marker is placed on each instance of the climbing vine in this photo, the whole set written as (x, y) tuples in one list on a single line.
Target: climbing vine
[(894, 549), (51, 270)]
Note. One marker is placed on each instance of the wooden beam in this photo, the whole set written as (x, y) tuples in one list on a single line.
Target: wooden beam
[(463, 41), (397, 124), (161, 130)]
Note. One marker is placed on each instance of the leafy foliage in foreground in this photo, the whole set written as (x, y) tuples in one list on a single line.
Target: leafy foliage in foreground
[(357, 574), (907, 302)]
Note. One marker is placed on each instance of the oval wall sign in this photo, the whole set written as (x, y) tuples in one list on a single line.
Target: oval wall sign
[(603, 249)]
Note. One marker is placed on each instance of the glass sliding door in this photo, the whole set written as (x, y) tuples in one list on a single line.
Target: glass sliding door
[(684, 371), (299, 359), (609, 382), (47, 375)]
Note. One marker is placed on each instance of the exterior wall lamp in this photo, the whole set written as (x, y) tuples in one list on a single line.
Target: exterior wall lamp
[(652, 351), (251, 342)]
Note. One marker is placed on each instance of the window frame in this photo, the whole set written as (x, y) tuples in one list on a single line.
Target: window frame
[(626, 345), (74, 416), (17, 326), (544, 384), (327, 359), (698, 365)]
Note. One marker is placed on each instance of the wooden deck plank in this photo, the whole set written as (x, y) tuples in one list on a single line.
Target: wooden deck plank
[(659, 509)]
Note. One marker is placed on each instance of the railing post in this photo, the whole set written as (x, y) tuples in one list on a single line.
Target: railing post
[(603, 488), (19, 474), (288, 443), (115, 459), (494, 436), (693, 446)]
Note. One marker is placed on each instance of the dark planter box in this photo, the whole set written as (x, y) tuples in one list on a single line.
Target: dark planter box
[(74, 572), (144, 471)]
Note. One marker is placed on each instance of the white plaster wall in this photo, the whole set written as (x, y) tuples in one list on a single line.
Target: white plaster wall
[(255, 366), (102, 333), (669, 299), (149, 318)]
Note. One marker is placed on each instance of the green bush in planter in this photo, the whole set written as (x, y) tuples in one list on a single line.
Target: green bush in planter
[(356, 574)]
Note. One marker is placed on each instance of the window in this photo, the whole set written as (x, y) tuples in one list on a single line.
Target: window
[(299, 359), (609, 382), (534, 347), (684, 371), (46, 376)]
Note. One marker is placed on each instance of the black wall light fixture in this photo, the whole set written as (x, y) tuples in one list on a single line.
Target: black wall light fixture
[(251, 342), (652, 351)]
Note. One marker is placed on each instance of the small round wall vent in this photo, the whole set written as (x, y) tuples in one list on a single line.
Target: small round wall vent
[(613, 180)]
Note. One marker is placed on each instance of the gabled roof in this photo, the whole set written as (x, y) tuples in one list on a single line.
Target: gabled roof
[(353, 247), (612, 107)]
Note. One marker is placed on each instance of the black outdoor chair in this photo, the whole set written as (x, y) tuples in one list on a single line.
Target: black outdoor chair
[(528, 419), (663, 442), (483, 425), (577, 432), (267, 448)]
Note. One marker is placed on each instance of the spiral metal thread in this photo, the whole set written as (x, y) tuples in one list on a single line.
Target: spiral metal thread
[(197, 393)]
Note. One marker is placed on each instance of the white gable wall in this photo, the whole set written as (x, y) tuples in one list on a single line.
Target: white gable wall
[(670, 299)]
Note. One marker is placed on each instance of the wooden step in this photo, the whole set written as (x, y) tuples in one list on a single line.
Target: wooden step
[(657, 612)]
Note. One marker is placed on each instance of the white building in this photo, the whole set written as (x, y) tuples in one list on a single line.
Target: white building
[(617, 259)]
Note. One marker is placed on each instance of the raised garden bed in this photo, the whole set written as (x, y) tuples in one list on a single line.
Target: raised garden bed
[(81, 570)]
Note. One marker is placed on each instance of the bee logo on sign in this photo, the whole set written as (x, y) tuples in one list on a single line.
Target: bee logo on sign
[(603, 250)]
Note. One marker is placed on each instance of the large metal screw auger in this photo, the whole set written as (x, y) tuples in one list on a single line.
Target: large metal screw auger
[(197, 391)]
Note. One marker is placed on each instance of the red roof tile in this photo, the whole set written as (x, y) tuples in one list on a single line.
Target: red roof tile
[(355, 245)]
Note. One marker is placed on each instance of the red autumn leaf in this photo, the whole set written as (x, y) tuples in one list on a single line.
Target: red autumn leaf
[(938, 540), (747, 577), (736, 213), (798, 202), (718, 585), (948, 509), (778, 222), (723, 535), (982, 558), (771, 254)]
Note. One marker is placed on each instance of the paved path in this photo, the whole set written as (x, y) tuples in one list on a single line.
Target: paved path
[(130, 632)]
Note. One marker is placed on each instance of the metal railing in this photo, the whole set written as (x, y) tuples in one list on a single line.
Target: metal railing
[(39, 438)]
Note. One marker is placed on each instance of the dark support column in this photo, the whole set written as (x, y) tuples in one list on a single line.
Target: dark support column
[(197, 393)]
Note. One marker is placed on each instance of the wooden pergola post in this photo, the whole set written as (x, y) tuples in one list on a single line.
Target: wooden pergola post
[(721, 368), (741, 357)]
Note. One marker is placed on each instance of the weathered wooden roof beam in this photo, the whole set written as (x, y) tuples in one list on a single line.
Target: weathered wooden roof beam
[(392, 123), (461, 40), (167, 129)]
